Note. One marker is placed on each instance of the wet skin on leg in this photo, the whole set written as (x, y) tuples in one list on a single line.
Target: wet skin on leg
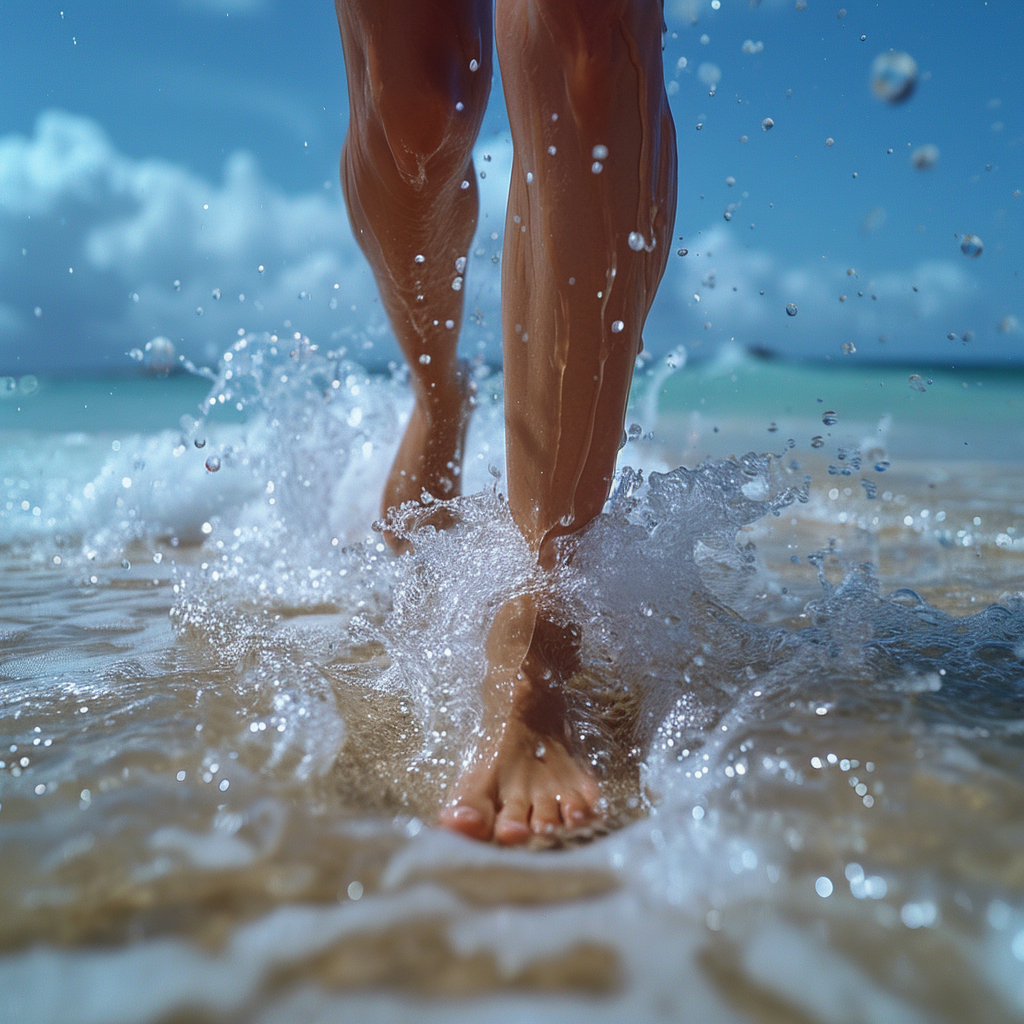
[(587, 234), (419, 74)]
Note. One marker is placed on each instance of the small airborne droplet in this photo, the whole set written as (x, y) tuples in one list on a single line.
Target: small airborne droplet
[(540, 751), (213, 463), (474, 64), (924, 158), (830, 419), (425, 359), (636, 241), (420, 258), (894, 76), (767, 124), (791, 309), (617, 326), (216, 293), (830, 142), (971, 246), (917, 382), (125, 564), (200, 442), (848, 348)]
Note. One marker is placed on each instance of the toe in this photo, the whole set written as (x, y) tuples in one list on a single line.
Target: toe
[(577, 811), (472, 818), (511, 827), (546, 816)]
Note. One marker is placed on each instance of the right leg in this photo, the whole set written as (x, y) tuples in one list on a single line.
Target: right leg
[(419, 74)]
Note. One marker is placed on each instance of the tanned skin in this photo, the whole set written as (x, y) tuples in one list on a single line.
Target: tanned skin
[(590, 212)]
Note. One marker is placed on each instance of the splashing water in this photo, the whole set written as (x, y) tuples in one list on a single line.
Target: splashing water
[(813, 763)]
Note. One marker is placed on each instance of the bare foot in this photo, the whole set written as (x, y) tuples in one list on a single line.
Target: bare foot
[(429, 459), (526, 779)]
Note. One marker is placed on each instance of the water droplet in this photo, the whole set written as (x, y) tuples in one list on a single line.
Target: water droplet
[(617, 326), (848, 348), (529, 177), (457, 285), (924, 158), (460, 265), (420, 258), (881, 466), (474, 64), (159, 356), (425, 359), (894, 76), (635, 431), (730, 181), (216, 293), (199, 310), (125, 564), (971, 246), (829, 418), (540, 751), (213, 463), (260, 268), (596, 167), (552, 150), (767, 124), (200, 442), (916, 382), (177, 286), (727, 215), (460, 106), (636, 241), (817, 441), (38, 311), (791, 309), (830, 142), (599, 152), (682, 252)]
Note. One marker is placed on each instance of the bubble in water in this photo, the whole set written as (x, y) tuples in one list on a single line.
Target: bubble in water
[(817, 441), (767, 124), (8, 385), (199, 310), (924, 158), (829, 418), (682, 252), (136, 354), (216, 293), (636, 241), (635, 432), (916, 382), (730, 181), (971, 246), (881, 466), (158, 356), (894, 76), (28, 384), (848, 348), (125, 564), (791, 309), (617, 326), (200, 442), (213, 463)]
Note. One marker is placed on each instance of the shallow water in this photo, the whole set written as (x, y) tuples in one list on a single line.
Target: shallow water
[(229, 715)]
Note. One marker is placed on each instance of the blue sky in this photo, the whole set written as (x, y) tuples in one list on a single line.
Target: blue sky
[(193, 141)]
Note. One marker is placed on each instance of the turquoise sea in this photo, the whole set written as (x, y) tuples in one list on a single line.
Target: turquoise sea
[(228, 715)]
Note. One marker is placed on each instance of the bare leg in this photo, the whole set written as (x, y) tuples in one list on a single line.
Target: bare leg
[(419, 74), (587, 237)]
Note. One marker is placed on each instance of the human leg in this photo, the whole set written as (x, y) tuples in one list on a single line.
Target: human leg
[(587, 234), (419, 75)]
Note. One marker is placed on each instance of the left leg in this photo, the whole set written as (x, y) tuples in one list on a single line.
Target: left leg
[(587, 235)]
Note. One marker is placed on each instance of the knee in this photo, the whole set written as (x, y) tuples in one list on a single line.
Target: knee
[(427, 103)]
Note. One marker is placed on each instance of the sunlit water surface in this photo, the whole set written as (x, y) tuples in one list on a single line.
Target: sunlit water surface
[(229, 717)]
